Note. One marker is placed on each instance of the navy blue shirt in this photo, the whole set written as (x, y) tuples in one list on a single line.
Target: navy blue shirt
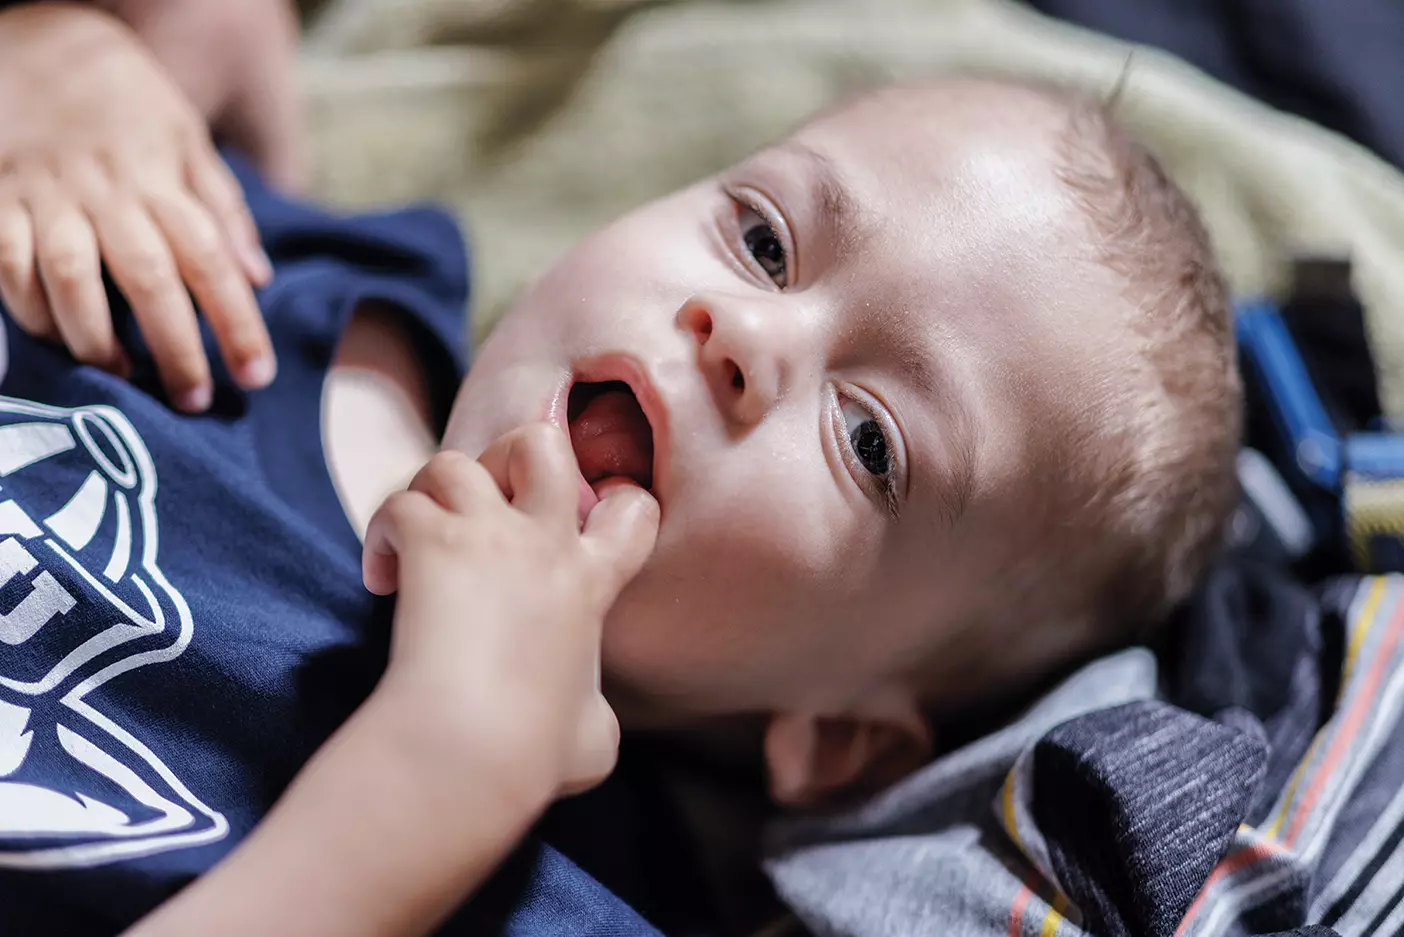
[(182, 621)]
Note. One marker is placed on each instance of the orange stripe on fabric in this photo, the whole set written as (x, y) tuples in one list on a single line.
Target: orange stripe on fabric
[(1227, 866), (1350, 725), (1016, 913), (1357, 638)]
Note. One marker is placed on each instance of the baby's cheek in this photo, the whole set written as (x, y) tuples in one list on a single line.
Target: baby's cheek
[(774, 539), (770, 564), (759, 565)]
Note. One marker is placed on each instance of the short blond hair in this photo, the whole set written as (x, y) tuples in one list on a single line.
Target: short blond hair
[(1159, 488)]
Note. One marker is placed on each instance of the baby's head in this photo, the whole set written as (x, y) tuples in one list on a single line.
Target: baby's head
[(940, 397)]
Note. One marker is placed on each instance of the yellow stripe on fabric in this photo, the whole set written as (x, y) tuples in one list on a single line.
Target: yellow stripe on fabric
[(1363, 624), (1055, 916), (1362, 627), (1007, 798)]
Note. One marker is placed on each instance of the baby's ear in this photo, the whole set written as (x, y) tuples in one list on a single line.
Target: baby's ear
[(816, 760)]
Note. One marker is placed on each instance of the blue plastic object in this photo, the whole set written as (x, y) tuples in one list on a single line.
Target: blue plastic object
[(1296, 408)]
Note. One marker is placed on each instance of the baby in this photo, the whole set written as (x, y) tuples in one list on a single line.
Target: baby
[(899, 416), (938, 395)]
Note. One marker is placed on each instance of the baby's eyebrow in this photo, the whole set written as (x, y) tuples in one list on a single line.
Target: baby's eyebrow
[(837, 206)]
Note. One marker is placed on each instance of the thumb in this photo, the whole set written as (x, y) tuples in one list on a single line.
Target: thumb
[(380, 563), (622, 529)]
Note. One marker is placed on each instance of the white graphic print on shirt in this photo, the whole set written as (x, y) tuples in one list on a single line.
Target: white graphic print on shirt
[(83, 600)]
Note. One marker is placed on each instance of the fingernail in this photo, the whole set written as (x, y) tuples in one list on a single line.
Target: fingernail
[(263, 265), (195, 400), (258, 373)]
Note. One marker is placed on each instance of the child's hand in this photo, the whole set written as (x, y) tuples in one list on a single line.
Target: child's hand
[(489, 710), (237, 63), (497, 631), (103, 160)]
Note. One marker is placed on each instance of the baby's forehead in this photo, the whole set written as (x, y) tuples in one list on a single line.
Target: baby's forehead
[(949, 149), (952, 115), (936, 186), (967, 248)]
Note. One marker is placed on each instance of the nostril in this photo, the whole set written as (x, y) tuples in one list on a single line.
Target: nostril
[(738, 380), (698, 321)]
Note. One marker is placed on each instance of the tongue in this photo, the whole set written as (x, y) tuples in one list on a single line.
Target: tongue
[(611, 436)]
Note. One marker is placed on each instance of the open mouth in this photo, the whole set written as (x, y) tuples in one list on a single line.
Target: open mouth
[(609, 432)]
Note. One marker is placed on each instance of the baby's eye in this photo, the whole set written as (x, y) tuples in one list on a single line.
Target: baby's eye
[(763, 244), (867, 439)]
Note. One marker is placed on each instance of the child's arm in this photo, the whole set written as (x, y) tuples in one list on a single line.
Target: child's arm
[(236, 61), (381, 835), (103, 160), (489, 710)]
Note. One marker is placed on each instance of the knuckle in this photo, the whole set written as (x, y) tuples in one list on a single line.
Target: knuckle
[(225, 194), (189, 131), (446, 468), (402, 510), (459, 465), (66, 263), (450, 461), (147, 273), (216, 185), (203, 252)]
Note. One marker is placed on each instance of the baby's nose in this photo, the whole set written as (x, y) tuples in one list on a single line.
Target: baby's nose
[(743, 354)]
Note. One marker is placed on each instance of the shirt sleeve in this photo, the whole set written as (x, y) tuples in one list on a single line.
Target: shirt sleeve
[(413, 259)]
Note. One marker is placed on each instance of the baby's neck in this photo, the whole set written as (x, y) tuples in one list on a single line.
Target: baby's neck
[(375, 414)]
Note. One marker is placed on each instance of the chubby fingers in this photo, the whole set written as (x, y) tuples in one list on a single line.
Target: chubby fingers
[(207, 262), (455, 482), (621, 530), (212, 183), (70, 271), (21, 290), (391, 529), (534, 467), (139, 257)]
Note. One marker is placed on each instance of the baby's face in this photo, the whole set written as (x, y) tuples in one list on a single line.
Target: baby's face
[(840, 346)]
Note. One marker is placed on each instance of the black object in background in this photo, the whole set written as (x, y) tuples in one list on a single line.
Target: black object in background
[(1339, 63)]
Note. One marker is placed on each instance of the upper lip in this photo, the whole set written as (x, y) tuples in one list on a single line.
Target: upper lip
[(627, 370)]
